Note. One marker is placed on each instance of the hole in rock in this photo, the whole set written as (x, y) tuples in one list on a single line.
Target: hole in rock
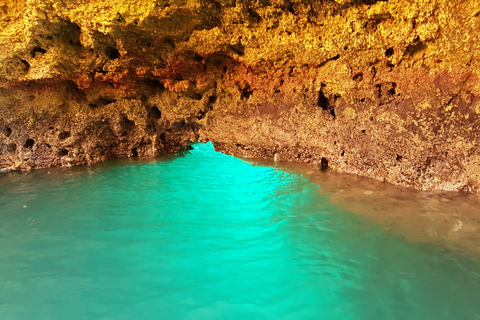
[(154, 84), (25, 65), (64, 135), (364, 131), (7, 132), (324, 164), (63, 152), (399, 158), (112, 53), (358, 77), (155, 113), (212, 99), (29, 143), (238, 48), (414, 48), (134, 152), (389, 52), (38, 50), (343, 153), (197, 57), (246, 92), (322, 101)]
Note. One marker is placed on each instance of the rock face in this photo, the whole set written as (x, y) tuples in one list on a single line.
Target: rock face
[(385, 89)]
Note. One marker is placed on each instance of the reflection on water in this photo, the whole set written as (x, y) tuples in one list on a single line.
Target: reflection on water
[(208, 236), (450, 219)]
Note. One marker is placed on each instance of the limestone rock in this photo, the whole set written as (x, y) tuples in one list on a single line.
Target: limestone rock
[(384, 89)]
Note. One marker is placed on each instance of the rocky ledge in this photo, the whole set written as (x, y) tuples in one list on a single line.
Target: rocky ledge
[(385, 89)]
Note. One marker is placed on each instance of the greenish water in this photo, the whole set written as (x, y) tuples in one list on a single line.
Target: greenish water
[(209, 236)]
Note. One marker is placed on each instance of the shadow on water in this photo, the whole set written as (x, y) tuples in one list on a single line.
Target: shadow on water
[(209, 236)]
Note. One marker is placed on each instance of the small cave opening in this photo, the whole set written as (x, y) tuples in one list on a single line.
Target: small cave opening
[(155, 113), (389, 52), (154, 84), (63, 152), (64, 135), (246, 92), (134, 153), (323, 164), (29, 143), (112, 53), (37, 50), (7, 132), (358, 77)]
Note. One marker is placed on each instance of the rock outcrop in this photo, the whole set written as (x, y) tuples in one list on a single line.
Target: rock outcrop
[(385, 89)]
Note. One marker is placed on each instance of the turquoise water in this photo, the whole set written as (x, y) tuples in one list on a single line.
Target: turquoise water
[(209, 236)]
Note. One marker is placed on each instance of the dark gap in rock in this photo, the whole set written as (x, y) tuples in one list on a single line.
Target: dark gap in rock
[(238, 48), (282, 82), (364, 131), (29, 143), (25, 65), (179, 77), (323, 164), (12, 147), (253, 15), (154, 84), (64, 135), (415, 48), (134, 152), (193, 95), (399, 158), (224, 69), (345, 48), (51, 128), (197, 57), (48, 146), (358, 77), (63, 152), (126, 124), (322, 101), (246, 92), (155, 113), (335, 57), (212, 99), (7, 132), (378, 90), (290, 8), (36, 50), (477, 14), (342, 154), (100, 102), (362, 100), (112, 53), (120, 18), (389, 52), (392, 91), (334, 143), (371, 118), (390, 65)]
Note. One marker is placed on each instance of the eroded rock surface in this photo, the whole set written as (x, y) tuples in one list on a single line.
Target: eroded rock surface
[(384, 89)]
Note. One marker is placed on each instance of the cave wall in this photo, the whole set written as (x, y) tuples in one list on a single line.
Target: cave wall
[(384, 89)]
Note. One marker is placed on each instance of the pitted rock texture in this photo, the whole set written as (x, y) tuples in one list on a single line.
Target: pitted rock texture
[(384, 89)]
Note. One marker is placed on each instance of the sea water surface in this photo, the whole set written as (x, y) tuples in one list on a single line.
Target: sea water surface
[(210, 236)]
